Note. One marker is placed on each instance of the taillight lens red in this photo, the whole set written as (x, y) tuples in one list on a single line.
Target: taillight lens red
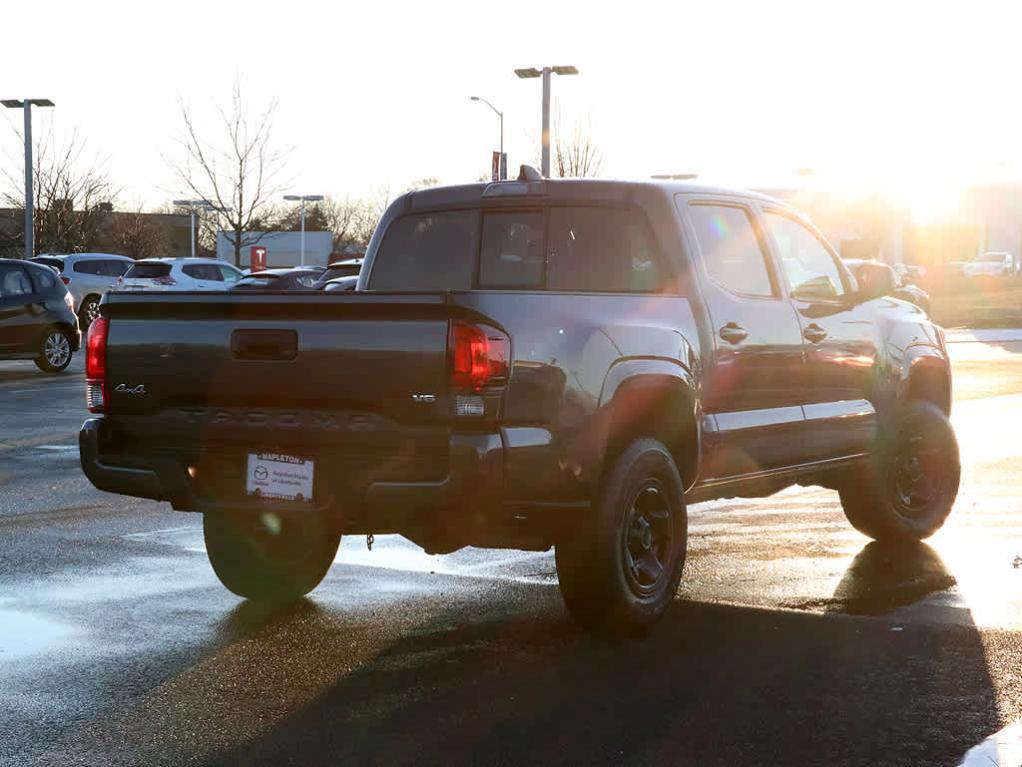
[(479, 356), (66, 280), (95, 366)]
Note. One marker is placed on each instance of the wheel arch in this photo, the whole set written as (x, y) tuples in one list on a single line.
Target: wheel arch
[(653, 398)]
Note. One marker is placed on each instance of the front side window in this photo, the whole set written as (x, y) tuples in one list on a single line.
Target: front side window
[(203, 272), (428, 252), (147, 271), (111, 268), (731, 250), (86, 267), (811, 270), (229, 273)]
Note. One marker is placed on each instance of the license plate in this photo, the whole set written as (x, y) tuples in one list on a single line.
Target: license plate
[(283, 477)]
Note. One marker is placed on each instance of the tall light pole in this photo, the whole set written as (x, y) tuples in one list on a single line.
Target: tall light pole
[(193, 206), (303, 198), (545, 73), (503, 163), (27, 105)]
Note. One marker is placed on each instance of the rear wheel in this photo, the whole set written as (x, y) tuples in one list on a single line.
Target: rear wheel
[(88, 312), (620, 572), (907, 489), (54, 351), (268, 556)]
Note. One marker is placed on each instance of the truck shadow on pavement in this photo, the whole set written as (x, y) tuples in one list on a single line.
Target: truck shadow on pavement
[(713, 685)]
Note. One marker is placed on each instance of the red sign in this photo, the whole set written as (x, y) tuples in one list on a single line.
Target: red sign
[(258, 258)]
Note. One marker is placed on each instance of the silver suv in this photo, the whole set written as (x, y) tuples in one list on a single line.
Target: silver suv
[(88, 277)]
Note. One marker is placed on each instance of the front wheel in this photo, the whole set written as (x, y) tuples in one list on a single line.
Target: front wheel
[(907, 489), (619, 573), (269, 556), (54, 352)]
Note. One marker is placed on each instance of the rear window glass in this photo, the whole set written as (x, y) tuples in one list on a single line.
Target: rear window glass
[(602, 250), (567, 249), (55, 263), (435, 251), (148, 271), (350, 270), (512, 250)]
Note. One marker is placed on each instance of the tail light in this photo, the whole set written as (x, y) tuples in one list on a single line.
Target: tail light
[(66, 280), (95, 366), (165, 280), (479, 357)]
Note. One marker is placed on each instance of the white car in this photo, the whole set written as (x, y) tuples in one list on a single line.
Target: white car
[(180, 274), (995, 264)]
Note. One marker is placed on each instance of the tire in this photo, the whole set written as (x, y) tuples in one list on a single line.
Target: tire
[(267, 557), (910, 483), (54, 351), (619, 573), (88, 312)]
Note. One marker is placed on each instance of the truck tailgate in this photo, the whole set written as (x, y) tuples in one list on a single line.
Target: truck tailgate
[(193, 371)]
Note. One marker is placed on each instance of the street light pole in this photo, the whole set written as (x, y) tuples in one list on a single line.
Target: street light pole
[(27, 105), (503, 165), (545, 73), (193, 206), (303, 198)]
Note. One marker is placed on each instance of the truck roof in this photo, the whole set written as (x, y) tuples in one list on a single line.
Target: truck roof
[(567, 189)]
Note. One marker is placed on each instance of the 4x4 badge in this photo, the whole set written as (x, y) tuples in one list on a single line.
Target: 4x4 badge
[(125, 389)]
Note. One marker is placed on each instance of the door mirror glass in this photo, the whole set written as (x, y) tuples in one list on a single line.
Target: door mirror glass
[(819, 288)]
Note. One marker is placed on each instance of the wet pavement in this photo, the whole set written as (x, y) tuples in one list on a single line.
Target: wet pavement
[(794, 640)]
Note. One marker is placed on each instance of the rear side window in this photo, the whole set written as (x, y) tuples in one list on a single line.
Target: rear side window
[(731, 250), (435, 251), (203, 272), (87, 267), (148, 271), (14, 282), (602, 250)]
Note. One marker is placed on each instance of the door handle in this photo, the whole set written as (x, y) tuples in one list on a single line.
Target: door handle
[(733, 333), (814, 333)]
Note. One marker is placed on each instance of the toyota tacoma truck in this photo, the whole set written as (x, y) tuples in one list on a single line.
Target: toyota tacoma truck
[(528, 364)]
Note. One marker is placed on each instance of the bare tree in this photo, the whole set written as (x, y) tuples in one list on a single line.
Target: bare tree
[(578, 155), (72, 194), (238, 170), (136, 234)]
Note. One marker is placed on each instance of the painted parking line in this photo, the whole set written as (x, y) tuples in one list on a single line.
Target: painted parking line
[(1002, 749)]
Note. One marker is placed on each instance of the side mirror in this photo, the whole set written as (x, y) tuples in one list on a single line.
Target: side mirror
[(875, 280), (819, 288)]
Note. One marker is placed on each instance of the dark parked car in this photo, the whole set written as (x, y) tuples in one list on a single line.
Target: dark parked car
[(528, 364), (279, 279), (349, 268), (37, 318), (881, 279)]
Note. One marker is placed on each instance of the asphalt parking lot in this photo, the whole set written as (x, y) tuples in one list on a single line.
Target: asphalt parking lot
[(793, 639)]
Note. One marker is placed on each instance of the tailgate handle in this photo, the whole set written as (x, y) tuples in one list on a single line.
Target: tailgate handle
[(264, 344)]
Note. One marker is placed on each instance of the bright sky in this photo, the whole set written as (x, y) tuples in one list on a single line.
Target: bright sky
[(912, 95)]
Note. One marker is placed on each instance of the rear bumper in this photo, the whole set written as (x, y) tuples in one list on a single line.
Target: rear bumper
[(474, 478)]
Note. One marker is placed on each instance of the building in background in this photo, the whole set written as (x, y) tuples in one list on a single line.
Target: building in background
[(282, 248)]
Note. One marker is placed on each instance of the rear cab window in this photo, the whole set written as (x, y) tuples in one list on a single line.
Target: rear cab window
[(570, 248), (147, 271)]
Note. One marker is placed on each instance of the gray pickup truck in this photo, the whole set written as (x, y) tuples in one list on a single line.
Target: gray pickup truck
[(529, 364)]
